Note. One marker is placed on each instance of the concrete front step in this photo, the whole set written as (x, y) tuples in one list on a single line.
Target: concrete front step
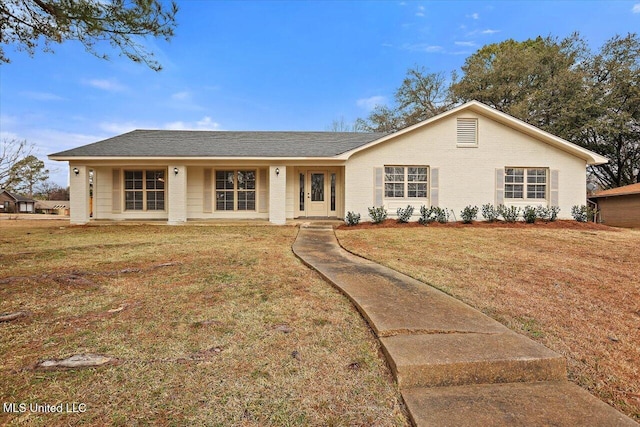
[(470, 358), (555, 403)]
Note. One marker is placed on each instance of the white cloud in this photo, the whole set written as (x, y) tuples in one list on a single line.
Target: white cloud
[(110, 85), (420, 11), (474, 15), (421, 47), (636, 8), (116, 128), (206, 123), (48, 141), (371, 102), (41, 96), (181, 96), (470, 44), (489, 31)]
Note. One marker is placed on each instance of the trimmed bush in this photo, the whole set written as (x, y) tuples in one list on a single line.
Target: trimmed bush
[(469, 213), (404, 215), (510, 214), (441, 215), (433, 213), (489, 212), (425, 215), (583, 213), (377, 214), (548, 214), (352, 218), (530, 214)]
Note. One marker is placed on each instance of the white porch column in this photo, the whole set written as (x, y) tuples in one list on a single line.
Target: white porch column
[(177, 194), (278, 194), (78, 194)]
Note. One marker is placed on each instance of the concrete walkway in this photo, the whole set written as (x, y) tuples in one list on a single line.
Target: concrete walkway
[(454, 365)]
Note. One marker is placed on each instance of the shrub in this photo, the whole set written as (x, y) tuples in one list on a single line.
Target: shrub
[(489, 212), (579, 213), (548, 214), (510, 214), (469, 213), (433, 213), (404, 215), (440, 215), (377, 214), (530, 214), (583, 213), (425, 215), (352, 218)]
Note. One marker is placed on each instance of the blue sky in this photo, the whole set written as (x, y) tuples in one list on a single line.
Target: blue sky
[(244, 65)]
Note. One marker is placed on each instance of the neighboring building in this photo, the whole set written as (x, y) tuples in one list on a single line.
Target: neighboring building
[(13, 203), (470, 155), (53, 207), (619, 207)]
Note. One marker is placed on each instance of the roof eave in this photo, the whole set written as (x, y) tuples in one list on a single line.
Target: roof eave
[(190, 158)]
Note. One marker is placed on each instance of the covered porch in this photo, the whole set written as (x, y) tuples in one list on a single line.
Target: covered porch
[(177, 192)]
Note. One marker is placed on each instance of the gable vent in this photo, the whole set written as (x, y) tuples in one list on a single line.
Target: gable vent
[(467, 131)]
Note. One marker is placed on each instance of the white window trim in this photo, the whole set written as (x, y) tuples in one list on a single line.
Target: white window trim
[(525, 184), (235, 190), (144, 190), (406, 182)]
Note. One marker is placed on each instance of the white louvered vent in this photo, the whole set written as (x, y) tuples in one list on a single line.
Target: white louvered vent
[(467, 131)]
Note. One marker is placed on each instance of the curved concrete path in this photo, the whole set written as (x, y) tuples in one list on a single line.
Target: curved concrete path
[(454, 365)]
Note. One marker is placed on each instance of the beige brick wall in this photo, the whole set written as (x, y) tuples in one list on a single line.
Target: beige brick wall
[(467, 175)]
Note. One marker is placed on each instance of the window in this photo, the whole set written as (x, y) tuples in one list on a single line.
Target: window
[(144, 190), (400, 182), (467, 132), (525, 183), (236, 190)]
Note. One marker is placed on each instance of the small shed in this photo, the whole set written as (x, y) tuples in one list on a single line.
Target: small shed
[(13, 203), (619, 207)]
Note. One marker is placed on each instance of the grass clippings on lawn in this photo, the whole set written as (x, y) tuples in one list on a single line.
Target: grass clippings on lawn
[(208, 326), (575, 289)]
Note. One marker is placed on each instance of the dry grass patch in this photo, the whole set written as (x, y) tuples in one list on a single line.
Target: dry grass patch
[(577, 291), (209, 325)]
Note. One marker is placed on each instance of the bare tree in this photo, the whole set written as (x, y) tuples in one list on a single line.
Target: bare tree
[(11, 152)]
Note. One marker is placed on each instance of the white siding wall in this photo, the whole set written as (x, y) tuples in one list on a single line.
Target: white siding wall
[(466, 174)]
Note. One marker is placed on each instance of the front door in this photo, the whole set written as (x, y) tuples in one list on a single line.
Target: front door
[(317, 193)]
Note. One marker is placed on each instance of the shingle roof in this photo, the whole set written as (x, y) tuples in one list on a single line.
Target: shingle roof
[(619, 191), (171, 143), (17, 197)]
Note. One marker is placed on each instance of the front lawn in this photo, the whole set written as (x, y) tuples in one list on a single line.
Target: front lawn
[(208, 325), (577, 291)]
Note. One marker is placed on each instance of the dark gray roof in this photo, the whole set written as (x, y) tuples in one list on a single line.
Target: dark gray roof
[(178, 143), (17, 197)]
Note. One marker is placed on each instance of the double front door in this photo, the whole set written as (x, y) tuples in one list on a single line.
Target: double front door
[(317, 193)]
